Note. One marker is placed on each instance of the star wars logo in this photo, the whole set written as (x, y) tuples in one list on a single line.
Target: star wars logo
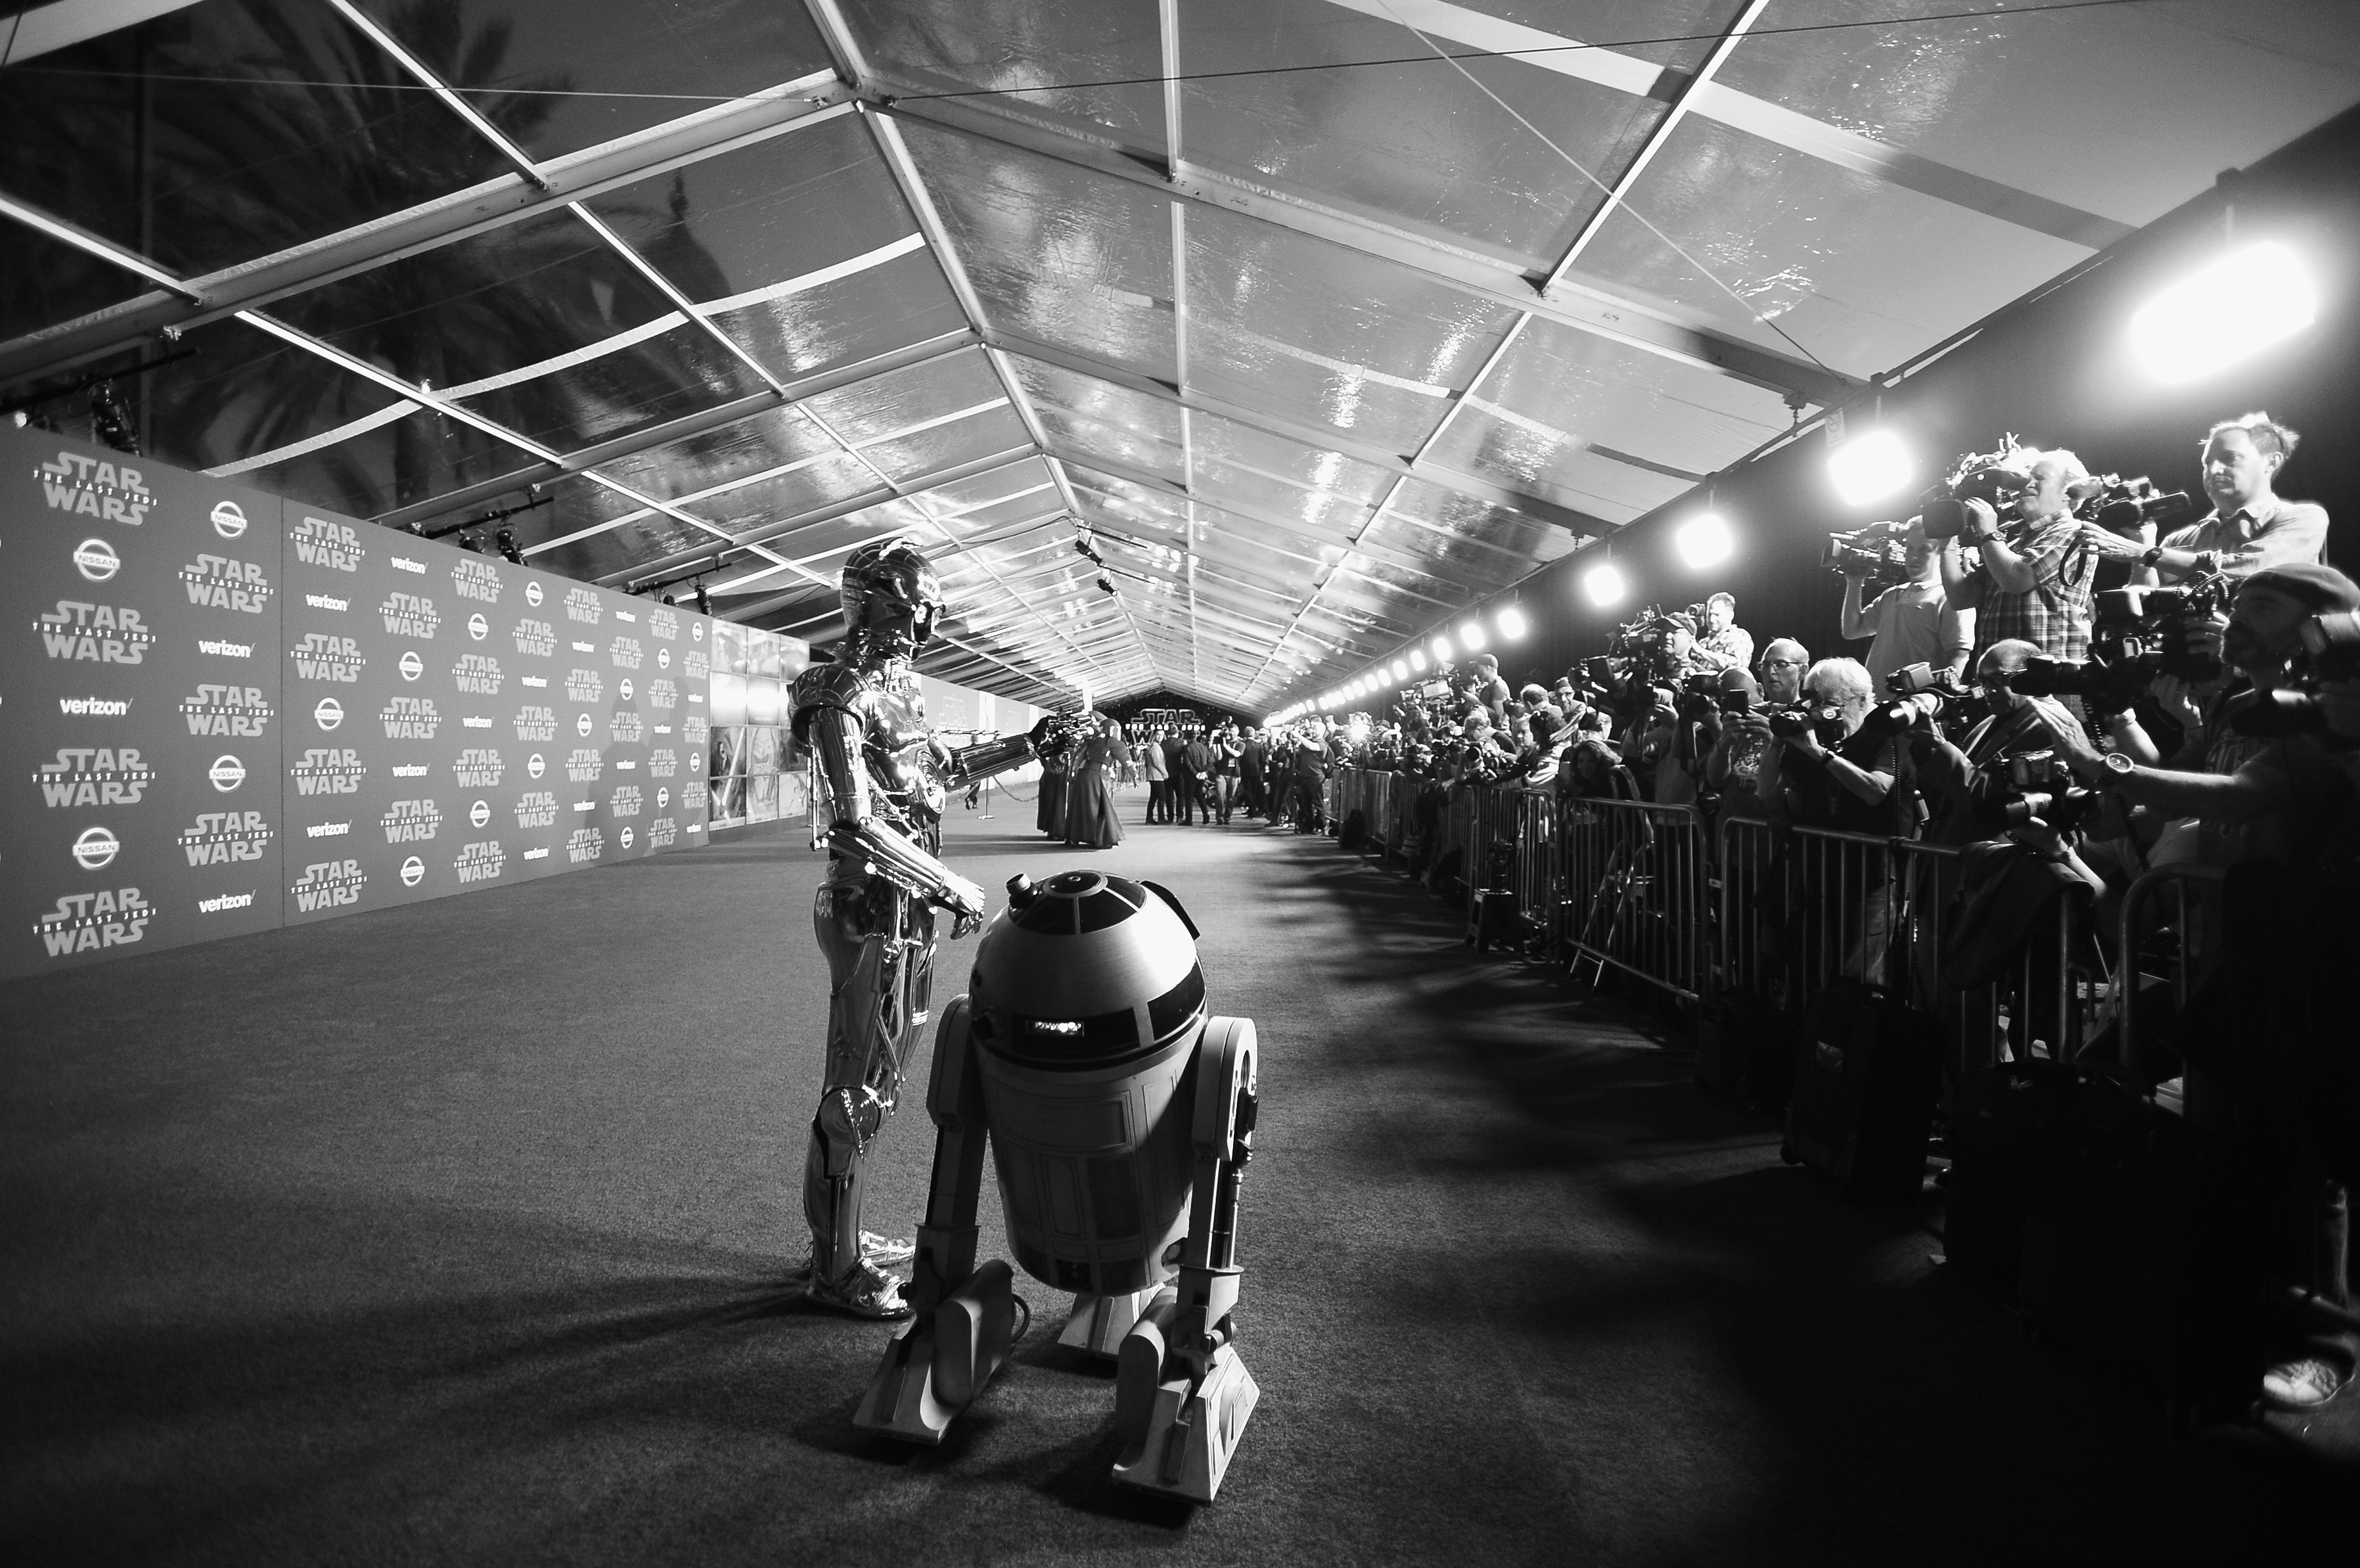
[(478, 767), (584, 765), (627, 653), (697, 731), (225, 838), (584, 686), (535, 638), (95, 775), (694, 667), (661, 833), (662, 696), (663, 764), (535, 722), (582, 604), (479, 862), (537, 809), (585, 844), (336, 546), (625, 803), (326, 884), (410, 615), (411, 822), (93, 487), (478, 674), (328, 770), (664, 623), (409, 718), (218, 582), (102, 634), (475, 579), (627, 725), (213, 710), (111, 918), (323, 656)]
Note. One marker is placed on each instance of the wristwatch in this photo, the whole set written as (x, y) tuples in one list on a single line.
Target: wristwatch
[(2153, 557), (2119, 764)]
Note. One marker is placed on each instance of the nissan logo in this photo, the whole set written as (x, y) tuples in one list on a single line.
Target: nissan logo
[(531, 591), (696, 630), (582, 726), (663, 797), (412, 667), (329, 714), (476, 628), (227, 773), (228, 521), (533, 766), (479, 813), (95, 848), (625, 838), (96, 558), (414, 872), (663, 659), (623, 693)]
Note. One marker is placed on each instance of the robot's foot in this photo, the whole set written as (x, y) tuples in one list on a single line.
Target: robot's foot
[(884, 1251), (1098, 1323), (1182, 1448), (936, 1365), (865, 1291)]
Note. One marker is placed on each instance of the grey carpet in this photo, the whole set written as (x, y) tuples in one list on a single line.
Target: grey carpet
[(454, 1233)]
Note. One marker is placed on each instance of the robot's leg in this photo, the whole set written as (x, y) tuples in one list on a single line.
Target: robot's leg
[(966, 1316), (1098, 1323), (866, 1023), (1182, 1395)]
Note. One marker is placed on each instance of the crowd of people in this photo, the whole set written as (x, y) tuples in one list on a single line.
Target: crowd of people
[(2067, 663), (1198, 771)]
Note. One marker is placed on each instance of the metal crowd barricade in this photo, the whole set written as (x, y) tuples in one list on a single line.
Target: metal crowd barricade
[(1632, 893), (2189, 952)]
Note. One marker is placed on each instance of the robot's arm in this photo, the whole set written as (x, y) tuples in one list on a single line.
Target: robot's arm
[(854, 830), (969, 763)]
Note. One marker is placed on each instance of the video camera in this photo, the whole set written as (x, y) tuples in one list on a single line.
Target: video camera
[(2331, 651), (2126, 506), (2154, 630), (1876, 552), (1992, 477), (2035, 784)]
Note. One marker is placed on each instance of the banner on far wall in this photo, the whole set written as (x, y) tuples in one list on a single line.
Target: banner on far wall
[(220, 711)]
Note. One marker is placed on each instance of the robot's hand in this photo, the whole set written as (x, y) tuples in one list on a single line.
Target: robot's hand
[(965, 900)]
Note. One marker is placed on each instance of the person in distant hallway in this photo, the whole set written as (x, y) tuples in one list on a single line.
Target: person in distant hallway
[(1049, 812), (1091, 821), (1227, 750), (1913, 621), (1253, 760), (1310, 780), (1175, 764), (1158, 777), (1195, 778)]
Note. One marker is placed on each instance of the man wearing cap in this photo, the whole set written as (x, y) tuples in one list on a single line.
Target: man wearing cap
[(2250, 528), (2283, 1047)]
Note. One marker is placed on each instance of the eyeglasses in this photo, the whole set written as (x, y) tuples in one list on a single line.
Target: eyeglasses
[(1782, 664)]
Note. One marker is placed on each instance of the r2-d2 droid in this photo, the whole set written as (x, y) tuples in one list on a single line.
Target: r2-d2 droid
[(1120, 1118)]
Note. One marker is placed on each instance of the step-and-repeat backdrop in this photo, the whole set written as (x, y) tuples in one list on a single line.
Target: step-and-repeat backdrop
[(220, 711)]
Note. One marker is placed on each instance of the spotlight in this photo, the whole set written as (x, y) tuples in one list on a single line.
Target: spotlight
[(1106, 584), (506, 543), (1603, 584), (1441, 646), (1704, 542), (704, 599), (1869, 468), (1418, 659), (1511, 624), (1400, 669), (2224, 312), (1470, 637), (472, 542)]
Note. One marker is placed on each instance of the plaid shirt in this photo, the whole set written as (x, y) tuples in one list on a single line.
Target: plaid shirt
[(2054, 615)]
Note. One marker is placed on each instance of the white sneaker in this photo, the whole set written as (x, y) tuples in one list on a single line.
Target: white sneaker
[(2300, 1385)]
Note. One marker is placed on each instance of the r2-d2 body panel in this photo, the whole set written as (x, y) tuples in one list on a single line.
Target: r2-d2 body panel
[(1087, 1005)]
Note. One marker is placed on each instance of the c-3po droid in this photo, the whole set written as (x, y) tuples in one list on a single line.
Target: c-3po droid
[(1120, 1118)]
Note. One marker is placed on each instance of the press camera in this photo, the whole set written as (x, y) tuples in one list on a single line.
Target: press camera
[(2032, 785), (1876, 552), (1796, 720), (2124, 505), (1992, 477), (2331, 651)]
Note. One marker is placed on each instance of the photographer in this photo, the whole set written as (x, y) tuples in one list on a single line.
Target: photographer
[(2250, 528), (1723, 644), (1912, 622), (1732, 769), (1821, 771), (2036, 575), (1960, 780)]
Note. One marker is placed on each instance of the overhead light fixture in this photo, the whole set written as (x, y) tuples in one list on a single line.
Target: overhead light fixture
[(1603, 584), (1400, 669), (2223, 312), (506, 543), (1704, 540), (1418, 659), (1441, 646), (1870, 467), (1471, 637), (1511, 624)]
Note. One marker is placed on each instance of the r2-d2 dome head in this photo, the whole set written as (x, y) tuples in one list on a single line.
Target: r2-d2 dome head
[(886, 583), (1086, 1007)]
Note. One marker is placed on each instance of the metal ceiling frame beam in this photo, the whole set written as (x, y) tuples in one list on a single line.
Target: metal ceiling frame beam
[(795, 105), (1636, 324), (1318, 438)]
